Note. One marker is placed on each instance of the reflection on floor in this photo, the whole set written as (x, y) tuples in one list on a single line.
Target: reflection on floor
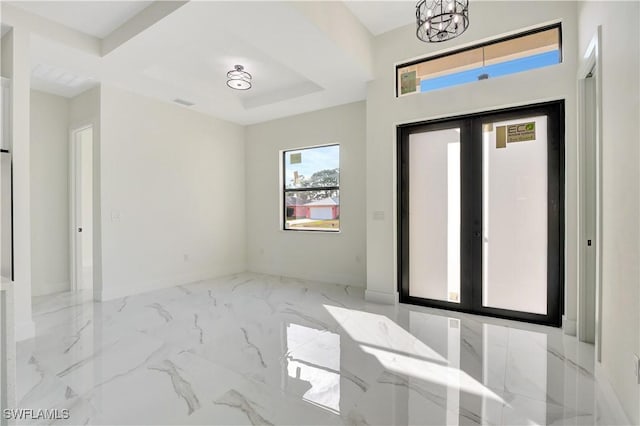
[(258, 349)]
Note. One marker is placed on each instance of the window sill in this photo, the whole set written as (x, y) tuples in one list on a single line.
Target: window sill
[(310, 231)]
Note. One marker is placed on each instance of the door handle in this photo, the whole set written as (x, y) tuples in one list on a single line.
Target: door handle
[(79, 229)]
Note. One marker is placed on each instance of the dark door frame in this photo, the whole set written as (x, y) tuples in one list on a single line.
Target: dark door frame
[(471, 210)]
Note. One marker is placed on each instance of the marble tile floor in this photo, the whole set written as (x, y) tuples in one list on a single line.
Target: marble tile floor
[(259, 349)]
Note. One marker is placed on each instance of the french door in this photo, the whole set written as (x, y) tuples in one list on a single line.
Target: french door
[(481, 213)]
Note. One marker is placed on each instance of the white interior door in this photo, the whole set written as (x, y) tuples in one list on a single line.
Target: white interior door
[(82, 200), (590, 213), (587, 326)]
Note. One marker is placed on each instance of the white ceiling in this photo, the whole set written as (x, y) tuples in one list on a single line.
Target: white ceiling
[(59, 81), (95, 18), (382, 16), (296, 65)]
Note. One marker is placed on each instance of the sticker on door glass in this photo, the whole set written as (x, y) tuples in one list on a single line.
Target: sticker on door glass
[(521, 132)]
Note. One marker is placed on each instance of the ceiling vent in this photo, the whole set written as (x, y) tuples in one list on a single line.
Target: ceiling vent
[(183, 102)]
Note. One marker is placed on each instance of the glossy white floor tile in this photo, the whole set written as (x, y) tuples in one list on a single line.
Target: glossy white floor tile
[(258, 349)]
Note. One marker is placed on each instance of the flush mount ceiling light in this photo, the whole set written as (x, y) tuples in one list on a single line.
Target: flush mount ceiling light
[(238, 78), (441, 20)]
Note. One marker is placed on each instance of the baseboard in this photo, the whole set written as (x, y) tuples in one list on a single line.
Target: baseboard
[(610, 397), (570, 327), (110, 292), (51, 288), (341, 279), (25, 330), (381, 297)]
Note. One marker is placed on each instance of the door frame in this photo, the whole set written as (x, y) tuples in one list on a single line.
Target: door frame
[(591, 62), (466, 208), (75, 198), (471, 211)]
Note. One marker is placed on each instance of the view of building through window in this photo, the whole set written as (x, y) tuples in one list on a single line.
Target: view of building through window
[(312, 188)]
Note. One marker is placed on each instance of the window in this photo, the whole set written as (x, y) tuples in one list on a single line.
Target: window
[(522, 52), (311, 189)]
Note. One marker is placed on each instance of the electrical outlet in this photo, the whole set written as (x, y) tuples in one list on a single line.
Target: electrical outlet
[(636, 367)]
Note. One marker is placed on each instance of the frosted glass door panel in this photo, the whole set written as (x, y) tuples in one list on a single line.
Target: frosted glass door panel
[(434, 215), (514, 212)]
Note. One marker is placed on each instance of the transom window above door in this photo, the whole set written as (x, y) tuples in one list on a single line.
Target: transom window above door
[(517, 53)]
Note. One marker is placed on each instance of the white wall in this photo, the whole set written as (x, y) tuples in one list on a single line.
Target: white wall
[(621, 190), (7, 316), (330, 257), (49, 193), (6, 47), (16, 66), (385, 111), (172, 193)]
